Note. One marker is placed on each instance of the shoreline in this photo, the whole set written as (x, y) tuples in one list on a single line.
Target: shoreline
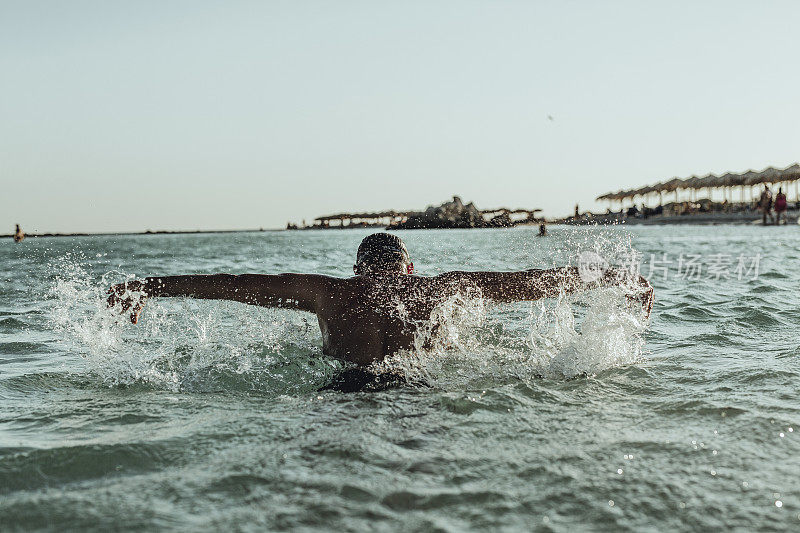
[(699, 219), (147, 232)]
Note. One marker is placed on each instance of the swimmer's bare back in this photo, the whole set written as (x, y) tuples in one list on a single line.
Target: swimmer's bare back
[(367, 317)]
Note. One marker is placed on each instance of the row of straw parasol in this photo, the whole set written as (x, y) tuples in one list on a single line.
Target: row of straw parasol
[(726, 182)]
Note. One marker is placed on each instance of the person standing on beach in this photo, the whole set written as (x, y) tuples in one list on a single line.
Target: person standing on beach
[(378, 311), (18, 234), (780, 206), (765, 204)]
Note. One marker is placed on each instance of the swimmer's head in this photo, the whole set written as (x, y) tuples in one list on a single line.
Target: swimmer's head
[(382, 253)]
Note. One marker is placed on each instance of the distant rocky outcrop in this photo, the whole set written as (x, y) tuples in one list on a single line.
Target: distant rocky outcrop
[(448, 215), (452, 214)]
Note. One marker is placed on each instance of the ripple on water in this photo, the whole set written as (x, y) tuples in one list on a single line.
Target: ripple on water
[(761, 376), (697, 313), (755, 317), (697, 407), (11, 325), (48, 381), (713, 339), (41, 468), (239, 485), (405, 500), (23, 348)]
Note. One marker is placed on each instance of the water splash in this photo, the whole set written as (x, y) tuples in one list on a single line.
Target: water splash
[(559, 338), (569, 336), (181, 343), (186, 344)]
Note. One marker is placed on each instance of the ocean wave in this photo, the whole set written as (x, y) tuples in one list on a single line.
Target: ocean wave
[(39, 468)]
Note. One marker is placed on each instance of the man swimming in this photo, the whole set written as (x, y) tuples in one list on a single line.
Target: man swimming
[(378, 311)]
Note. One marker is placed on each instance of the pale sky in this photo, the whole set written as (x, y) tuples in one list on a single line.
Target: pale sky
[(186, 115)]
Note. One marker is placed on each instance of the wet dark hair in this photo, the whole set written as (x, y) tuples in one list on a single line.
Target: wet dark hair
[(381, 250)]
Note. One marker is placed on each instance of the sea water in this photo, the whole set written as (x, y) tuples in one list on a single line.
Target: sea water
[(571, 412)]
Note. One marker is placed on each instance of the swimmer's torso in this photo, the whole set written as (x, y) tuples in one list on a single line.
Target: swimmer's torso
[(363, 319)]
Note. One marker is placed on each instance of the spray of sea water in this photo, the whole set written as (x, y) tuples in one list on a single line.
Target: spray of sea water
[(201, 345)]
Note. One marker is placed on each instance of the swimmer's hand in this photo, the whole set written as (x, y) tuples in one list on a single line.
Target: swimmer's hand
[(130, 295), (645, 295), (640, 290)]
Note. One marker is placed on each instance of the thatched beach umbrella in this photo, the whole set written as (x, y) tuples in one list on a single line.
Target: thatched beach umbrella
[(693, 183), (752, 177), (642, 191), (792, 173), (620, 196), (658, 188), (732, 179), (672, 186), (770, 175), (788, 175), (724, 182), (707, 182), (727, 182), (608, 196), (749, 180)]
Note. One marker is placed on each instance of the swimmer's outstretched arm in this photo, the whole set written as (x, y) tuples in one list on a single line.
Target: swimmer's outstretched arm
[(547, 283), (293, 291)]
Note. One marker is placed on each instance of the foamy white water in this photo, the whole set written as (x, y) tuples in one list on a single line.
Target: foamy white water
[(179, 339)]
